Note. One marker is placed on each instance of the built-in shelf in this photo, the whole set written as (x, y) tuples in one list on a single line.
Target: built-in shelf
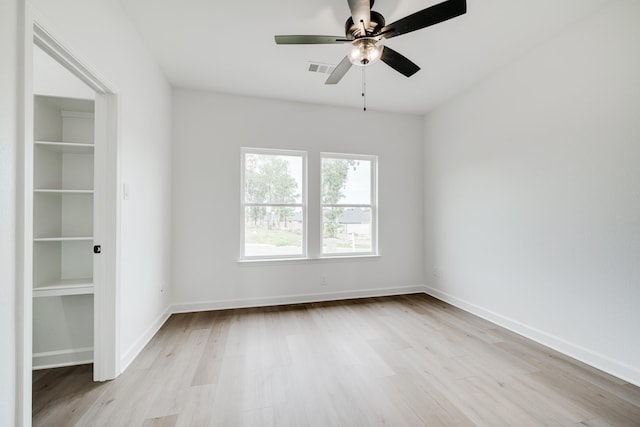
[(66, 147), (64, 287), (63, 239), (61, 191), (63, 197)]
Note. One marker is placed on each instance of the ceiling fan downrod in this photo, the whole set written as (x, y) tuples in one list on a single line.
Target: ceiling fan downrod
[(364, 89)]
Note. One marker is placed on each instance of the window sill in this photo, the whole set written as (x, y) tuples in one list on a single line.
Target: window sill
[(322, 259)]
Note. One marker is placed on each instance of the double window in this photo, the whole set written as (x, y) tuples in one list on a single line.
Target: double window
[(274, 205)]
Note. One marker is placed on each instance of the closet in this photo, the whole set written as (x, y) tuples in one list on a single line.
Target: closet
[(63, 231)]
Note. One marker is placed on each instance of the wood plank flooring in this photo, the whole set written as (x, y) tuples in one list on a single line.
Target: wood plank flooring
[(396, 361)]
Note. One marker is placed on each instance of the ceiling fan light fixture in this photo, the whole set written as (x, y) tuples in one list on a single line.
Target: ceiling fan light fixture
[(365, 52)]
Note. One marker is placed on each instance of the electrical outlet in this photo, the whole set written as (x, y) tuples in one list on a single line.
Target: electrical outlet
[(437, 273), (323, 280)]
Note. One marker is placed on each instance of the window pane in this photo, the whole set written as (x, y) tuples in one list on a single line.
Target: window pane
[(272, 178), (346, 230), (346, 181), (271, 230)]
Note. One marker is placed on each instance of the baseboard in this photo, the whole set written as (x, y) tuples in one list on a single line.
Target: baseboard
[(61, 358), (133, 351), (293, 299), (611, 366)]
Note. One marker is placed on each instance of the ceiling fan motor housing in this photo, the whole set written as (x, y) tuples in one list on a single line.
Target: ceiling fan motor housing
[(355, 30)]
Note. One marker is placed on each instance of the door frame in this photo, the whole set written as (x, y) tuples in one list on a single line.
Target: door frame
[(106, 212)]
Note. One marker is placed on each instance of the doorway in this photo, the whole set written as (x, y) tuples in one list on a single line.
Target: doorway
[(69, 192)]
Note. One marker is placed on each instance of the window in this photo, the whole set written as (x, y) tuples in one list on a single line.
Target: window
[(273, 204), (348, 204)]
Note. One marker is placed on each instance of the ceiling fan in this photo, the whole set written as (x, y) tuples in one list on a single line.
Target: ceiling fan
[(365, 28)]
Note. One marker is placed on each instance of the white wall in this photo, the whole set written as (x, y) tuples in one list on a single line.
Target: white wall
[(8, 121), (533, 193), (208, 131), (101, 36), (52, 79)]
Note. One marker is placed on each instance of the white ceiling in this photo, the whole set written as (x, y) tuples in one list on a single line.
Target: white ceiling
[(228, 46)]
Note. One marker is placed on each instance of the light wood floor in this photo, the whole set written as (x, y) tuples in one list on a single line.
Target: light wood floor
[(396, 361)]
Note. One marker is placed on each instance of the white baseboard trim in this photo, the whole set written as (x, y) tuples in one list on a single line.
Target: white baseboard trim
[(293, 299), (61, 358), (133, 351), (611, 366)]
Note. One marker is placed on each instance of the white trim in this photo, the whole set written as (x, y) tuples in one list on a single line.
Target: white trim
[(344, 205), (188, 307), (24, 217), (347, 156), (48, 43), (135, 349), (293, 261), (277, 205), (61, 358), (599, 361), (333, 255)]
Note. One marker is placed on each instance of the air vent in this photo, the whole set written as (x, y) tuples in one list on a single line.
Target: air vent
[(317, 67)]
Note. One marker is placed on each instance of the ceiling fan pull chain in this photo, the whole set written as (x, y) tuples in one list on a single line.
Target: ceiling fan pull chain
[(364, 88)]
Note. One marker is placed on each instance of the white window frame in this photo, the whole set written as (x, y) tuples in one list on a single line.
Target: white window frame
[(302, 205), (373, 206)]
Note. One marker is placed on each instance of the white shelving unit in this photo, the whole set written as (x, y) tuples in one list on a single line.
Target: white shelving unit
[(63, 200)]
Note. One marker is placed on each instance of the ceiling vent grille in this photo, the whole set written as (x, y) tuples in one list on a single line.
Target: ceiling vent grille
[(317, 67)]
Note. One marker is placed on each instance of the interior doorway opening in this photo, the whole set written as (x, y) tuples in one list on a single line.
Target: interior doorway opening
[(70, 208)]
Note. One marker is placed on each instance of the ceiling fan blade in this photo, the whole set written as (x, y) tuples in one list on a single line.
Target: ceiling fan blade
[(398, 62), (311, 40), (425, 18), (339, 72), (360, 11)]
